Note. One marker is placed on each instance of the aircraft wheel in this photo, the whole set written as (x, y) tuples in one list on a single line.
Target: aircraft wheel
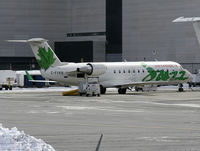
[(102, 89), (6, 87), (180, 89), (122, 90), (138, 88)]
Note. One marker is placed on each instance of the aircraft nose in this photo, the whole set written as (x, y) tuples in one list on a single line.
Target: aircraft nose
[(189, 75)]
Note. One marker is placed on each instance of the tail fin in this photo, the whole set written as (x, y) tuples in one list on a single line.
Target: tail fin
[(30, 78), (196, 24), (44, 55), (28, 75)]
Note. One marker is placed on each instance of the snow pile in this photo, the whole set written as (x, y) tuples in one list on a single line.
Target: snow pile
[(14, 140)]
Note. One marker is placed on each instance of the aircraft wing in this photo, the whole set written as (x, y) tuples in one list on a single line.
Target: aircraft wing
[(128, 84), (43, 81)]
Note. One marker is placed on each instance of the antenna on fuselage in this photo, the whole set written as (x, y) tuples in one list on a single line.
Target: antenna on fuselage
[(154, 52)]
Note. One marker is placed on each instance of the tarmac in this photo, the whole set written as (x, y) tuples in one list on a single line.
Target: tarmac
[(165, 120)]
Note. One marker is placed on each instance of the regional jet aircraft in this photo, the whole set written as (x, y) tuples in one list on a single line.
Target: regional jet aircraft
[(121, 75)]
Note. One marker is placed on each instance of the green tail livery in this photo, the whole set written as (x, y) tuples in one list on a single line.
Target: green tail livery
[(46, 58)]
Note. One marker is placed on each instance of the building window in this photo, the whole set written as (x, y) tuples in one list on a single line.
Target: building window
[(85, 34)]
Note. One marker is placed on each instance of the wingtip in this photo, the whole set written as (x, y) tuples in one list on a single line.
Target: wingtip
[(178, 19)]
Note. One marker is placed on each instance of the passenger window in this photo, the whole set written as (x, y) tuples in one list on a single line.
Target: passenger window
[(124, 71), (133, 71), (129, 71), (114, 71), (138, 71), (143, 71), (119, 71)]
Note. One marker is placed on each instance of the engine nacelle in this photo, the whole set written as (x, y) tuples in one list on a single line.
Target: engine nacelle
[(93, 69), (97, 69)]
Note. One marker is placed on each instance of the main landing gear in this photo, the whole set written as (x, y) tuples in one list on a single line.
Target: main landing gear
[(102, 89), (180, 89), (122, 90)]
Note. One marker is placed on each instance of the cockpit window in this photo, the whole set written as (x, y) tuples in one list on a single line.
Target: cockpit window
[(181, 67)]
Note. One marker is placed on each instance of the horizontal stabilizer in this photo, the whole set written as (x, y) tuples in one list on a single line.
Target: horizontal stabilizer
[(17, 40), (30, 40), (43, 53), (187, 19)]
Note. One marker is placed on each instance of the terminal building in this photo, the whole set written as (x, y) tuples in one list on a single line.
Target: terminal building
[(100, 30)]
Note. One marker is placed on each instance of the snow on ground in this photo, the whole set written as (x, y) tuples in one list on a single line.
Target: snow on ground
[(14, 140)]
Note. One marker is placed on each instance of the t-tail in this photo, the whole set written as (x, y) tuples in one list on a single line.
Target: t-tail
[(44, 55), (196, 24)]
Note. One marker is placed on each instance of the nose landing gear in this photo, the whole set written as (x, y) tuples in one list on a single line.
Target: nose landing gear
[(180, 89)]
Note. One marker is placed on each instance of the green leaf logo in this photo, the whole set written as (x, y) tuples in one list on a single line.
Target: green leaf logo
[(46, 58)]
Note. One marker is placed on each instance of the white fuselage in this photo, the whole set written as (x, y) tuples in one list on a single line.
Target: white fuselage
[(124, 74)]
